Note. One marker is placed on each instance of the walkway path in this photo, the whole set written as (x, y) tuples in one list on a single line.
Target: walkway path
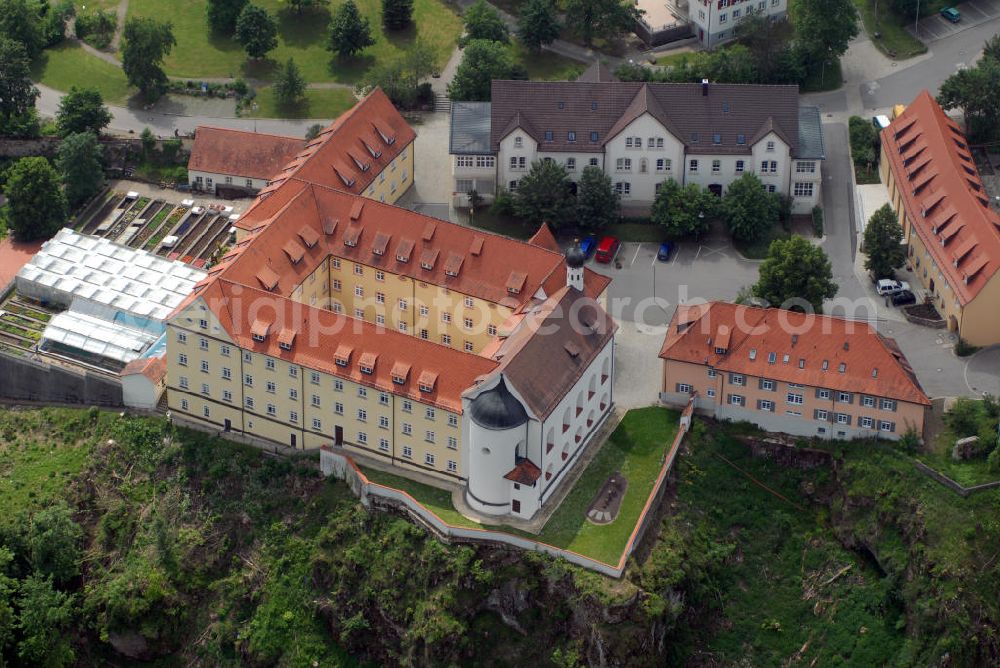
[(122, 12)]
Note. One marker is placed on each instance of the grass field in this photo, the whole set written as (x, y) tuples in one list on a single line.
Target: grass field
[(893, 38), (547, 66), (318, 103), (635, 449), (69, 65), (302, 37), (757, 250)]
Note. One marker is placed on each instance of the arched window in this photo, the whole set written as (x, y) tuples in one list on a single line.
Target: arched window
[(643, 166)]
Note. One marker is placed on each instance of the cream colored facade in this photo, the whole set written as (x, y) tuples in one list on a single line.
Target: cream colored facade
[(390, 184), (791, 408), (978, 321), (217, 385), (404, 304)]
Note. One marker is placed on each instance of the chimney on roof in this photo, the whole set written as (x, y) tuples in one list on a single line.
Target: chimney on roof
[(704, 87)]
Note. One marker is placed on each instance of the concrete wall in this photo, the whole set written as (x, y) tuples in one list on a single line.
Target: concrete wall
[(29, 380)]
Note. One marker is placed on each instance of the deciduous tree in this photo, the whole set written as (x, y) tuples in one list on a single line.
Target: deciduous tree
[(796, 275), (482, 21), (824, 28), (397, 14), (53, 541), (45, 618), (20, 21), (145, 43), (596, 199), (482, 62), (683, 210), (79, 163), (82, 110), (222, 15), (399, 77), (603, 18), (36, 202), (883, 243), (538, 24), (543, 194), (350, 32), (290, 86), (299, 5), (748, 208), (257, 31), (975, 90), (17, 93)]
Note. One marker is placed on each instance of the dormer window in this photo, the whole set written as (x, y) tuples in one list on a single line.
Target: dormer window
[(259, 337), (548, 135), (772, 358), (341, 361), (571, 136), (753, 353), (366, 369), (875, 373), (399, 380), (518, 142), (741, 139), (842, 368), (426, 388), (770, 146), (285, 346), (826, 364), (716, 138), (512, 291), (720, 351)]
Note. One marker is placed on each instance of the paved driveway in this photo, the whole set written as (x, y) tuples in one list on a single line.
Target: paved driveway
[(974, 12), (645, 290)]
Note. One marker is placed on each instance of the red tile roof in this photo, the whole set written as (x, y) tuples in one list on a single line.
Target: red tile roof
[(349, 153), (544, 238), (524, 472), (241, 154), (318, 337), (943, 195), (153, 368), (808, 349), (399, 233)]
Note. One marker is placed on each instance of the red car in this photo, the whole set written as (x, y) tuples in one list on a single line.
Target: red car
[(607, 249)]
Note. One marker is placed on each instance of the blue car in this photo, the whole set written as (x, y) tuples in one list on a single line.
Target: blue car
[(666, 248), (587, 245)]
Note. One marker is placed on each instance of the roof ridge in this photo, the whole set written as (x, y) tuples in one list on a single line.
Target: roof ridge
[(302, 140)]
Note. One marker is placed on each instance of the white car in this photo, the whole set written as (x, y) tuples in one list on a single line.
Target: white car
[(887, 287)]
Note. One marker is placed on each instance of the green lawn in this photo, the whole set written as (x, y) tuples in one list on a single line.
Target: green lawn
[(68, 65), (676, 58), (757, 250), (35, 470), (302, 37), (644, 232), (547, 66), (318, 103), (894, 40), (498, 224), (636, 450)]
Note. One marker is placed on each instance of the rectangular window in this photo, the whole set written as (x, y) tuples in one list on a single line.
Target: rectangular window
[(821, 415), (362, 392), (204, 366), (248, 380), (737, 400), (338, 408), (315, 400), (383, 444), (452, 443), (822, 394), (452, 466), (407, 452), (338, 385), (293, 394), (693, 166), (805, 167), (446, 339), (716, 166), (844, 397), (429, 413), (270, 386), (868, 402), (739, 166), (795, 399), (407, 406), (272, 409), (683, 388), (407, 429), (452, 420), (227, 374), (570, 164), (865, 422), (183, 382), (383, 421), (736, 379), (182, 359), (710, 392), (362, 438), (429, 436), (383, 398), (767, 385), (843, 418), (293, 417), (802, 189), (888, 404), (184, 404), (429, 459), (766, 405), (269, 364)]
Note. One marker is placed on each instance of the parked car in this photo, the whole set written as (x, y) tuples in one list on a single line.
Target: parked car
[(607, 249), (666, 249), (951, 14), (587, 245), (904, 298), (889, 287)]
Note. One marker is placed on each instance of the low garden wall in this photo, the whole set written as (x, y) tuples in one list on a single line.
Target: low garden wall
[(936, 475), (379, 497)]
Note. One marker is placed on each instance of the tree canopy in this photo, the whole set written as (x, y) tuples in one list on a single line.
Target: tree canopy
[(538, 24), (603, 18), (748, 208), (824, 28), (683, 211), (543, 195), (796, 275), (596, 199), (350, 32), (482, 21), (17, 93), (82, 110), (482, 62), (79, 162), (975, 90), (290, 86), (222, 15), (883, 243), (397, 14), (399, 77), (145, 43), (299, 5), (20, 21), (257, 31), (36, 202)]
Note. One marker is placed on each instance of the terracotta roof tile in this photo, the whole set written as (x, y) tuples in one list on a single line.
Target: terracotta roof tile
[(871, 363), (153, 368), (544, 238), (324, 336), (942, 195), (241, 154), (524, 472)]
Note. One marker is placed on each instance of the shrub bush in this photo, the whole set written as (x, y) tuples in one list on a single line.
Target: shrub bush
[(817, 219)]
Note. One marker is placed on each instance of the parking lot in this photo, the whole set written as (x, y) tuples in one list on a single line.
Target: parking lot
[(646, 290), (974, 12)]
